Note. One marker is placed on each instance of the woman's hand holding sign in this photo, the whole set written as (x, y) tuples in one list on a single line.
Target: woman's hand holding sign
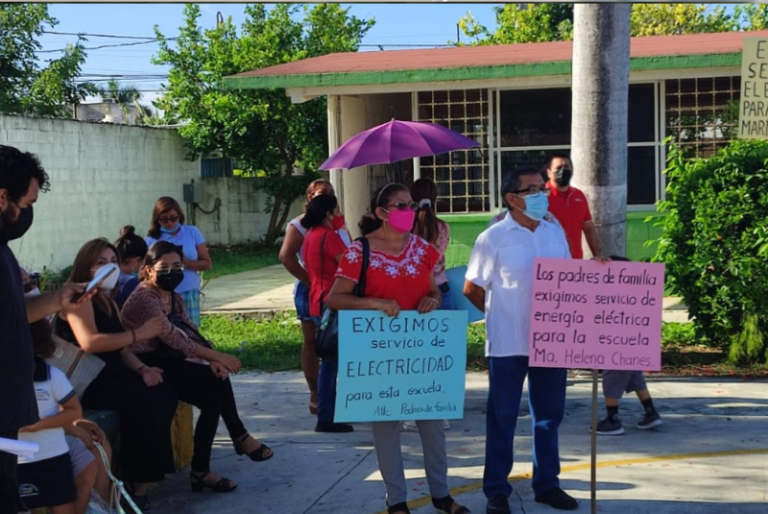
[(389, 307)]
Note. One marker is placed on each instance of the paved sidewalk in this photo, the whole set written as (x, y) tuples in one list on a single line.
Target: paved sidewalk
[(270, 290), (709, 457)]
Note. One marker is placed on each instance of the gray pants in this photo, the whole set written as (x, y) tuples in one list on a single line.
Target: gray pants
[(386, 439)]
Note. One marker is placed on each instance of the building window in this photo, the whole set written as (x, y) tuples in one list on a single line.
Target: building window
[(702, 114), (462, 177), (536, 124), (535, 117)]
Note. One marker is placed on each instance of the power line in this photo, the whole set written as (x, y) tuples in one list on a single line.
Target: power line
[(108, 46), (83, 34)]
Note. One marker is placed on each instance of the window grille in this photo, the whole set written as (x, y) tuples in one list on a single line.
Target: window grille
[(462, 178), (702, 114)]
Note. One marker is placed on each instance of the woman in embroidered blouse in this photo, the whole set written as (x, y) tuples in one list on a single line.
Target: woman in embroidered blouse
[(292, 258), (198, 373), (399, 278)]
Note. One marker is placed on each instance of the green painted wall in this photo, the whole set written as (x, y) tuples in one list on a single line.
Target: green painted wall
[(466, 227)]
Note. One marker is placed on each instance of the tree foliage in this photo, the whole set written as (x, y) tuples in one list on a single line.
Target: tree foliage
[(25, 86), (715, 228), (261, 130), (535, 23)]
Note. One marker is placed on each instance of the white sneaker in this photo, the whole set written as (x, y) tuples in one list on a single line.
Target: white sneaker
[(446, 425), (409, 426)]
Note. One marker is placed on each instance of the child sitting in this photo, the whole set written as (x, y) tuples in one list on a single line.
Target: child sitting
[(46, 479)]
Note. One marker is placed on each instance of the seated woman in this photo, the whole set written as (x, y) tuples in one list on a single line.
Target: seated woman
[(188, 363), (400, 278), (146, 453)]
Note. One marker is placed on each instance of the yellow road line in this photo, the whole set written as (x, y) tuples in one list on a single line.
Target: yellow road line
[(426, 500)]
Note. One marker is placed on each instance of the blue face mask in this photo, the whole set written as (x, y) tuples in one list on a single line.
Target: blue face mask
[(134, 274), (536, 206), (170, 230)]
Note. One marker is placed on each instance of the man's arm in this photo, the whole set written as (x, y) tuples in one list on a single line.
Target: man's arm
[(38, 307), (590, 232), (475, 294)]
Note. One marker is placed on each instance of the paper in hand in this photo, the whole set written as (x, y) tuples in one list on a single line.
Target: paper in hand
[(21, 448)]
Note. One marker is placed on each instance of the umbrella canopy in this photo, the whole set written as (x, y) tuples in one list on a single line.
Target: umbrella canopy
[(396, 141)]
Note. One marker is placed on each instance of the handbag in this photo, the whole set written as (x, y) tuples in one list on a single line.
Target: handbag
[(80, 368), (165, 352), (327, 333)]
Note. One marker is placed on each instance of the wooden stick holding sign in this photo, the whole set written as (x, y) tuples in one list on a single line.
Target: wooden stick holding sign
[(598, 316), (412, 367)]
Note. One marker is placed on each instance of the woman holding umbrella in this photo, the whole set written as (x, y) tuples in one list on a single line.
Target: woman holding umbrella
[(400, 278)]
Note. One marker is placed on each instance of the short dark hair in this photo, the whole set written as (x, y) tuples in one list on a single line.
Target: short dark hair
[(511, 181), (17, 169), (317, 210), (42, 338), (557, 156)]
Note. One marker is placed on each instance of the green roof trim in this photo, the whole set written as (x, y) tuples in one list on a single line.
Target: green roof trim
[(369, 78)]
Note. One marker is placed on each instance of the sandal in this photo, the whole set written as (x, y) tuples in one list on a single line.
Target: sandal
[(260, 454), (224, 485), (446, 503), (399, 507)]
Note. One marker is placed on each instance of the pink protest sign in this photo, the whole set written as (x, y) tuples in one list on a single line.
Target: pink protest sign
[(590, 315)]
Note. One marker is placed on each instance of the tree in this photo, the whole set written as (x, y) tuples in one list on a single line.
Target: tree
[(599, 126), (25, 87), (261, 130), (127, 97), (532, 23)]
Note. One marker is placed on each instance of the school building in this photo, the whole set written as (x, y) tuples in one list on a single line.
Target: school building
[(515, 100)]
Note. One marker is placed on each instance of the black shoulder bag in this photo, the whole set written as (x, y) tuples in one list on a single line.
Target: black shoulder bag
[(166, 353), (327, 334)]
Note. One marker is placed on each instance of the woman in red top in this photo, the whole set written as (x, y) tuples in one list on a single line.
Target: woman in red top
[(399, 278), (323, 248)]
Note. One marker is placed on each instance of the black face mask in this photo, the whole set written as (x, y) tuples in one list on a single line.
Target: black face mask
[(11, 231), (170, 281), (563, 176)]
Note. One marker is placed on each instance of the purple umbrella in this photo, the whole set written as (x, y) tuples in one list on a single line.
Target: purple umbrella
[(396, 141)]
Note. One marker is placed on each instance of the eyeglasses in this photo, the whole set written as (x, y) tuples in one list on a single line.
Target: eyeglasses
[(165, 271), (533, 190), (404, 206), (168, 219)]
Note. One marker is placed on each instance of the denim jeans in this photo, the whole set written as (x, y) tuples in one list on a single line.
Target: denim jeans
[(546, 400), (326, 390), (448, 302)]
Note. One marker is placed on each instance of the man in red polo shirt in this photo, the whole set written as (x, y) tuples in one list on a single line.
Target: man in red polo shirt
[(570, 207)]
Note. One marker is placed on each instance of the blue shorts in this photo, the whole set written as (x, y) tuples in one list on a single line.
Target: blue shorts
[(301, 300)]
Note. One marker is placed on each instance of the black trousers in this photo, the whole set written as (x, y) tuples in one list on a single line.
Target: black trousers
[(146, 414), (196, 384), (10, 503)]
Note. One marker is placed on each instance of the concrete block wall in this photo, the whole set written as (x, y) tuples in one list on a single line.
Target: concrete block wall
[(102, 177), (241, 217)]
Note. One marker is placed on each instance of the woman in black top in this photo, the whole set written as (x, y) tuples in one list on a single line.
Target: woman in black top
[(145, 414)]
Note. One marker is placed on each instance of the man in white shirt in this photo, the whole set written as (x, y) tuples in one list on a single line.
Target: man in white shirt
[(499, 281)]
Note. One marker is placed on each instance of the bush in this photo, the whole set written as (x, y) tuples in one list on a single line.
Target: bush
[(716, 223)]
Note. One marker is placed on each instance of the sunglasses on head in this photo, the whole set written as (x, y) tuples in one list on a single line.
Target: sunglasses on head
[(404, 206)]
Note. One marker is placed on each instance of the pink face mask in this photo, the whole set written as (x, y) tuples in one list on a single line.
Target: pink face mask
[(400, 220)]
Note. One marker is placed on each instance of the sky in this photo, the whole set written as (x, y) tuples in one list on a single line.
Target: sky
[(400, 24)]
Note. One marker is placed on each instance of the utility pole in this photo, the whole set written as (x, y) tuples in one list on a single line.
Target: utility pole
[(600, 88)]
